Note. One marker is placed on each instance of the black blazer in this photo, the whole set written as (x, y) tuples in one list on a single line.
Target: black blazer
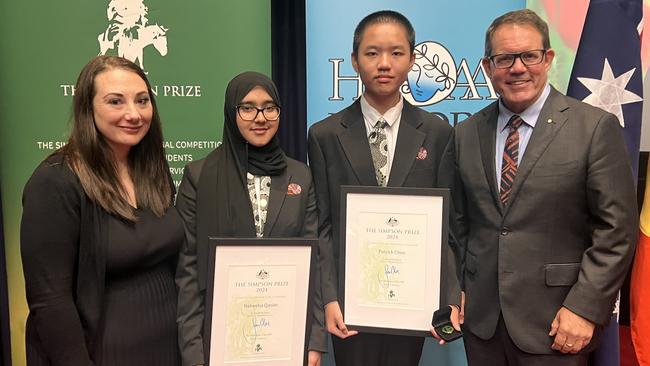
[(566, 236), (288, 216), (339, 154), (65, 291)]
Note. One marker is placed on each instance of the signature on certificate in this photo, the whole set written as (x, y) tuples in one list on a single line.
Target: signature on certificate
[(257, 323), (390, 271)]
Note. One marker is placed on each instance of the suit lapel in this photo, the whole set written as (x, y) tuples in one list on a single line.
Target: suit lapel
[(276, 200), (206, 212), (409, 141), (543, 133), (207, 192), (487, 141), (354, 142)]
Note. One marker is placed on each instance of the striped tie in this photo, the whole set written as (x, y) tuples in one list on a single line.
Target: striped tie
[(510, 158)]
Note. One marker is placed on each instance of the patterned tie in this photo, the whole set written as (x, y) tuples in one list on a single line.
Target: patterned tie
[(379, 151), (510, 158)]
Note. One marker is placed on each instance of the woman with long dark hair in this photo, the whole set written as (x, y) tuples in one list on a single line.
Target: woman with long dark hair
[(99, 235)]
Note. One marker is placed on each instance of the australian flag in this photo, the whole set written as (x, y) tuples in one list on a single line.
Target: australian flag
[(607, 70), (607, 73)]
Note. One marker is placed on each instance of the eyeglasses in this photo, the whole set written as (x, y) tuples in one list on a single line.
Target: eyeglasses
[(249, 113), (528, 58)]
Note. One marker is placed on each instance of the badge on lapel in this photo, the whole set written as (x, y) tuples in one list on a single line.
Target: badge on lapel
[(422, 153), (293, 189)]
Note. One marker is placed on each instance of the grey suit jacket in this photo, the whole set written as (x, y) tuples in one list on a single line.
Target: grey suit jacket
[(566, 236), (339, 154), (288, 216)]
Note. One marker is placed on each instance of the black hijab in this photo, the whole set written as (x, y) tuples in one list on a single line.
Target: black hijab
[(235, 213), (264, 160)]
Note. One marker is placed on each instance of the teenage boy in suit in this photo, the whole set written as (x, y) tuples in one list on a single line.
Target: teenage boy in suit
[(379, 140)]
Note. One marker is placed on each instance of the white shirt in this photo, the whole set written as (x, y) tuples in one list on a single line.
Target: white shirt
[(392, 117)]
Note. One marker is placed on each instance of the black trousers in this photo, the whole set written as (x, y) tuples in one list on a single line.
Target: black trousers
[(500, 350), (370, 349)]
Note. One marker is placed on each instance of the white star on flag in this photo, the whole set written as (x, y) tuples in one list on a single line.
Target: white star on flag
[(609, 92)]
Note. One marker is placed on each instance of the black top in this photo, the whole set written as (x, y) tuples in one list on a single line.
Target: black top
[(93, 282), (140, 298)]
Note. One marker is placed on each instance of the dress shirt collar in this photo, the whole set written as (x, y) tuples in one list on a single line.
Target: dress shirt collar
[(529, 115), (371, 115)]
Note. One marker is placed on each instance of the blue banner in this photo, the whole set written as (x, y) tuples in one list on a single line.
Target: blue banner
[(447, 78)]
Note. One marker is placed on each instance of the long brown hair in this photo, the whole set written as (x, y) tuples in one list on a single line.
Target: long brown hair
[(91, 158)]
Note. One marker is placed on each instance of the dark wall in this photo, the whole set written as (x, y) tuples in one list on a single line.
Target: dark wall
[(288, 64)]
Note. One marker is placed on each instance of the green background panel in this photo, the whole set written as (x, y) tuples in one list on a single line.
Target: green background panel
[(45, 44)]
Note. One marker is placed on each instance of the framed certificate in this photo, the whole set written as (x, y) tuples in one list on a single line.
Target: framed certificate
[(391, 257), (259, 301)]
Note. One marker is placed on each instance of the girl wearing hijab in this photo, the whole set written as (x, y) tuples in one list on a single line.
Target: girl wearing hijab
[(99, 236), (246, 188)]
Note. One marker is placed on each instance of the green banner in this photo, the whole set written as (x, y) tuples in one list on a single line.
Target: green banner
[(190, 50)]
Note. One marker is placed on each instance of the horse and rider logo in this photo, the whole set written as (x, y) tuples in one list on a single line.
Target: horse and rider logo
[(129, 31)]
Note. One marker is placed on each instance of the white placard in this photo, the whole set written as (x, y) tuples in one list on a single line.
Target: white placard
[(393, 245)]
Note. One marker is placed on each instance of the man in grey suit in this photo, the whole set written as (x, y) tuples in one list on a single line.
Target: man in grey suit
[(545, 210), (380, 139)]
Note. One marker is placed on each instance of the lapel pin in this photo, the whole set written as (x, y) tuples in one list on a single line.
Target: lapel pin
[(422, 154), (293, 189), (549, 121)]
